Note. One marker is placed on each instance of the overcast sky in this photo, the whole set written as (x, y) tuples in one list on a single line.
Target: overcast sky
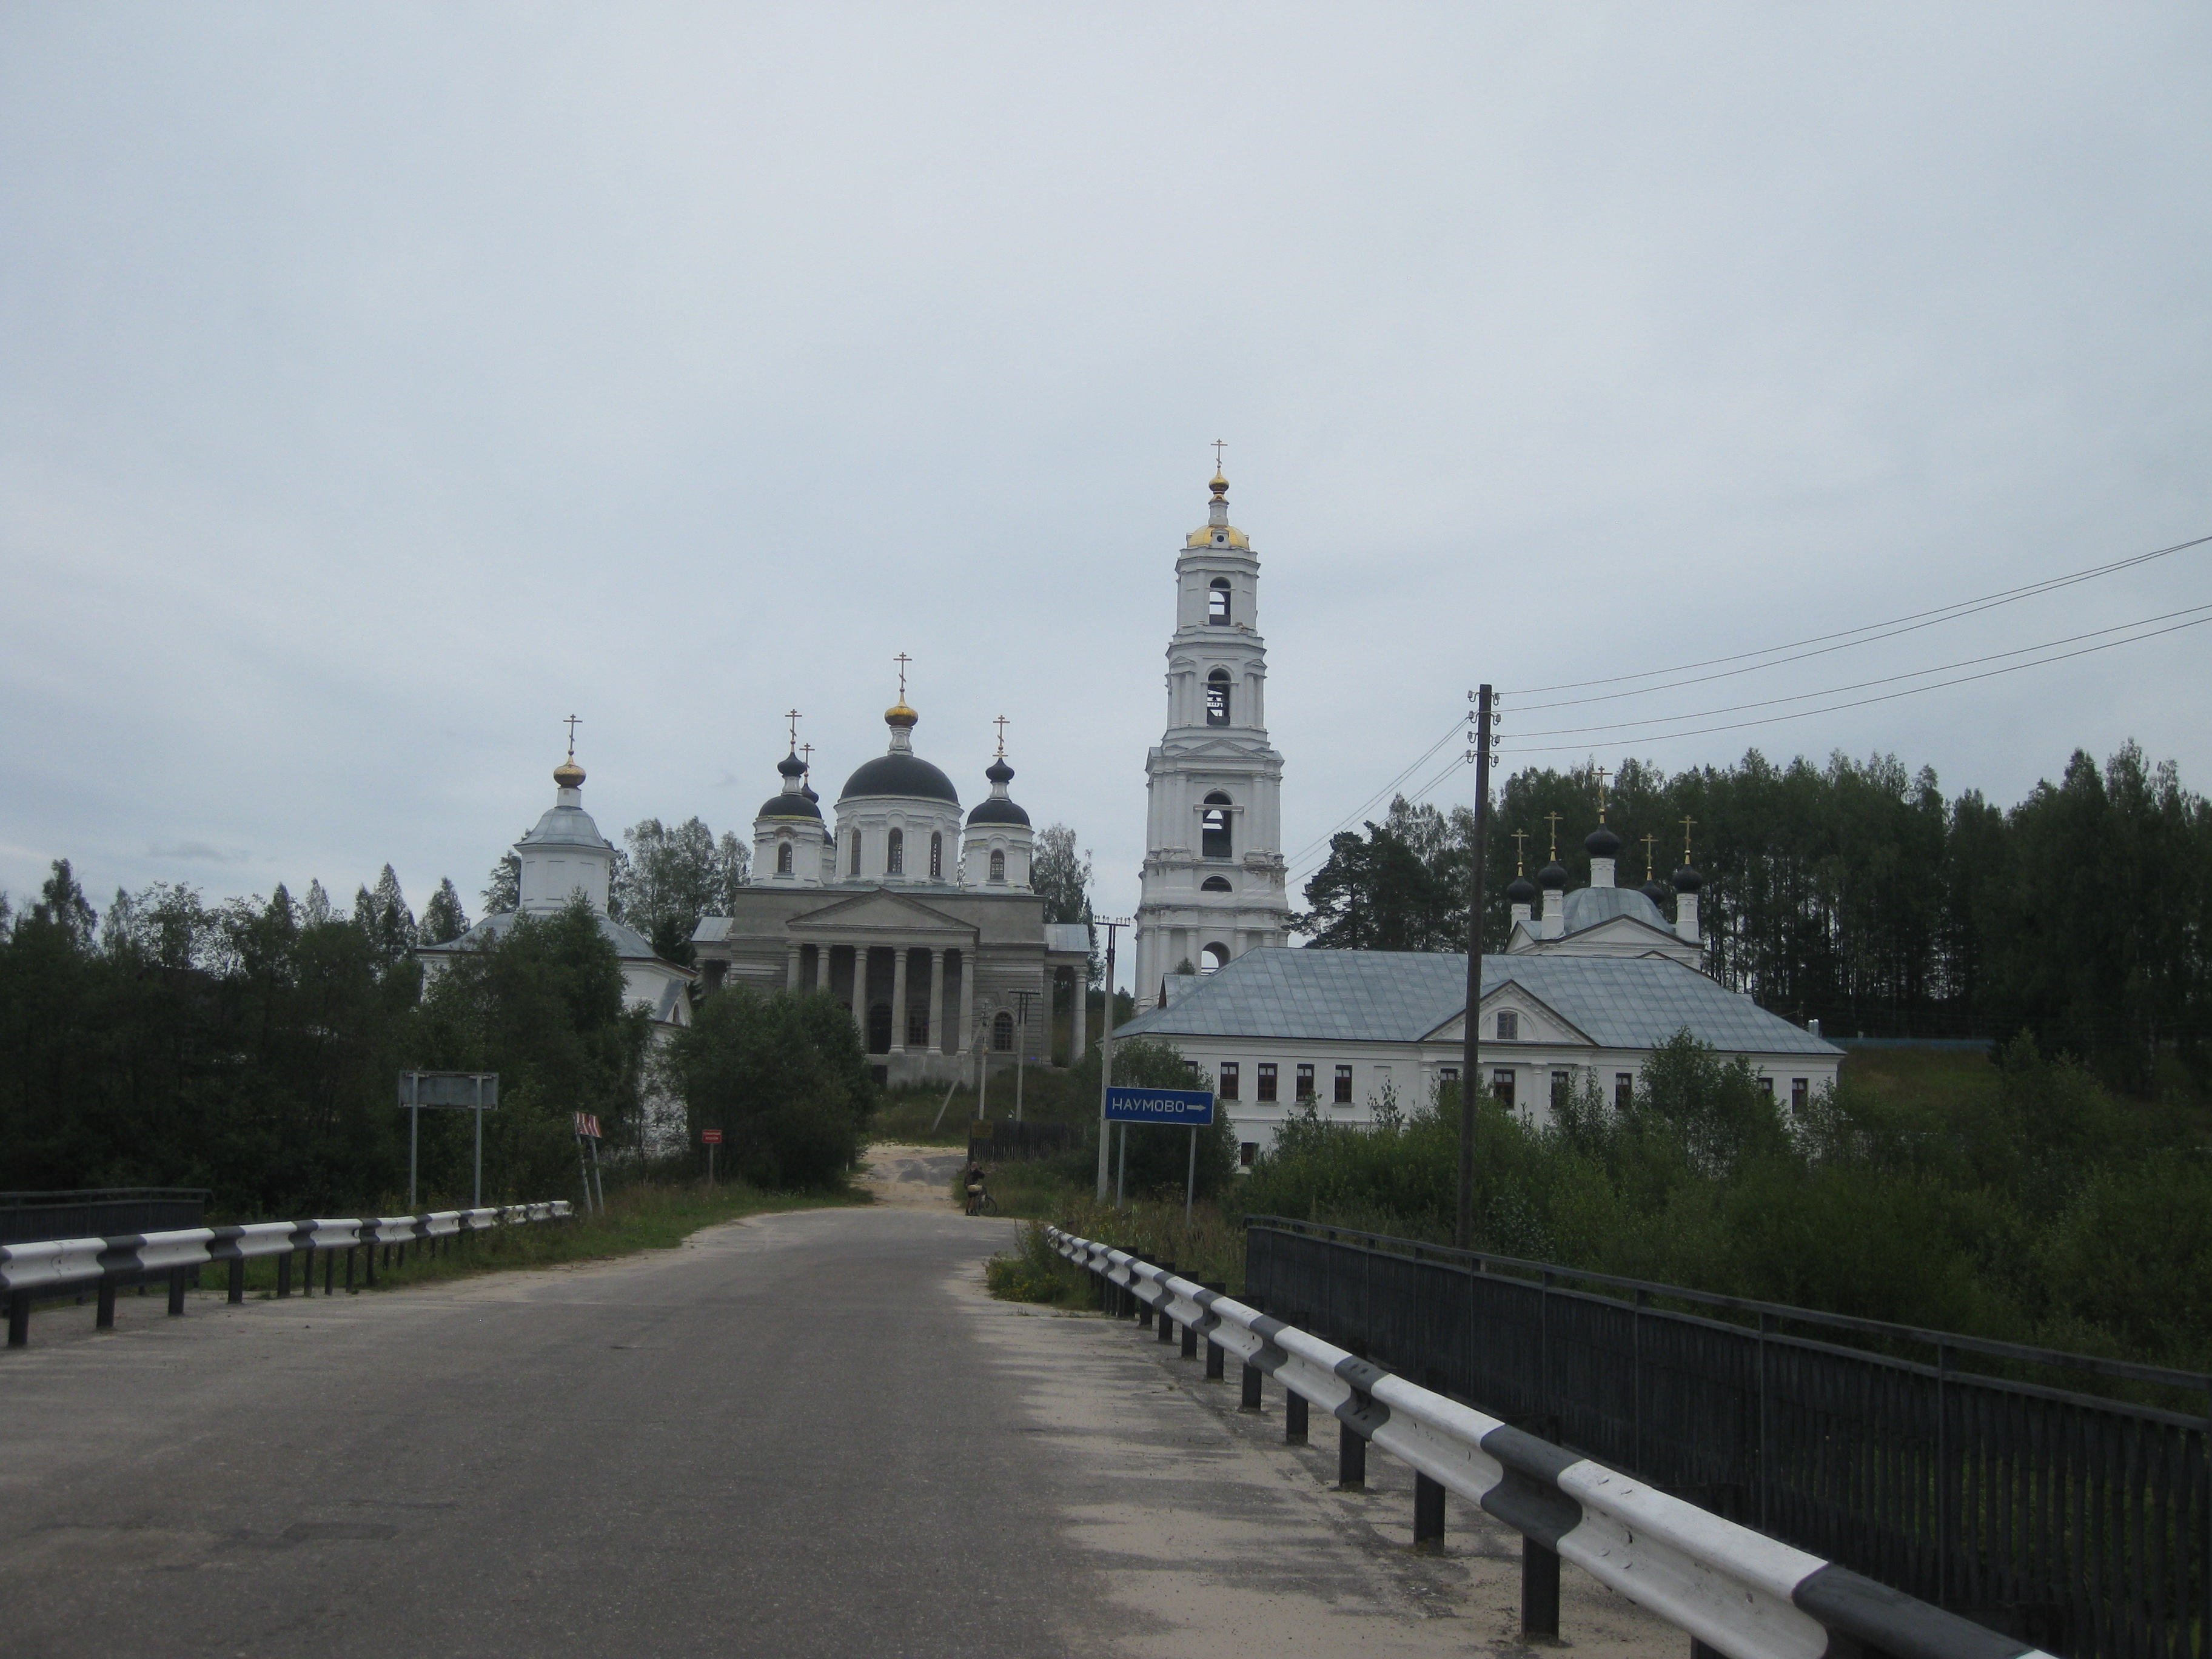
[(380, 385)]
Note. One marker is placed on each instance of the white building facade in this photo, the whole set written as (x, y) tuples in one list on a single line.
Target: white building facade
[(1214, 882)]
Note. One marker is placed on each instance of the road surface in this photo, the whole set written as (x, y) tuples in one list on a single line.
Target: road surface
[(806, 1434)]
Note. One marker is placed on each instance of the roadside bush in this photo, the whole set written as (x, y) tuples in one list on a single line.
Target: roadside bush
[(777, 1075)]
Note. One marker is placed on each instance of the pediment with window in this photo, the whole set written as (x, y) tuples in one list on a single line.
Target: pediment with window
[(1510, 1014), (881, 912)]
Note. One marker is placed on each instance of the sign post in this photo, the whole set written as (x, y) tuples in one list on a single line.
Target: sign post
[(1106, 1071), (463, 1091), (1192, 1107), (587, 1132), (711, 1138)]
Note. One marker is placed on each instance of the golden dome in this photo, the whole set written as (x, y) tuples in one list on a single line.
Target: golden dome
[(1203, 536), (569, 774), (899, 715), (1220, 485)]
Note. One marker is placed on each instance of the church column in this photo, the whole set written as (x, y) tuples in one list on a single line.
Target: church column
[(1082, 1029), (937, 1002), (899, 954), (791, 969), (860, 990), (967, 998)]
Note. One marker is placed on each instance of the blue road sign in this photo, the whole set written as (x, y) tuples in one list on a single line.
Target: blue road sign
[(1183, 1107)]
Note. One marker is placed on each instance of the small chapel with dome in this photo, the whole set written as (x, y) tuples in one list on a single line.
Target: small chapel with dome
[(916, 915)]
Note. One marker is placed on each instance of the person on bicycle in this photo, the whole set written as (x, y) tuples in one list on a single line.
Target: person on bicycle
[(978, 1196)]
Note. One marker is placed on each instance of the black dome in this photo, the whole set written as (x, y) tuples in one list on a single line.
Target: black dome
[(1520, 890), (998, 772), (807, 790), (791, 766), (1656, 893), (1687, 880), (991, 810), (789, 806), (1600, 843), (1553, 875), (901, 775)]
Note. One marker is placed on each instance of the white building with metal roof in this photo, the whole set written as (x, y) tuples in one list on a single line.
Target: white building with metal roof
[(1349, 1029)]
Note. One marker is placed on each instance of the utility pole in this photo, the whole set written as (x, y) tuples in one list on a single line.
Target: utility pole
[(1021, 1045), (1470, 1048), (1106, 1059)]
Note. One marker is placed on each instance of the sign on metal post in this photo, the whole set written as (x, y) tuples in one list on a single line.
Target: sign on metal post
[(1191, 1107), (587, 1134), (710, 1139), (457, 1091)]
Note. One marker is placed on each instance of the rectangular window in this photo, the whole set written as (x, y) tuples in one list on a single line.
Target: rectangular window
[(1501, 1087), (1305, 1082), (1228, 1091), (1799, 1092), (1509, 1026), (1767, 1084), (856, 852), (1624, 1091), (1344, 1085), (1246, 1151), (917, 1030), (1560, 1087), (1267, 1079)]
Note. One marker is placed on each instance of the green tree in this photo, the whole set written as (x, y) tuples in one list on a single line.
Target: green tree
[(443, 919), (672, 876), (1062, 877), (780, 1075), (1376, 894)]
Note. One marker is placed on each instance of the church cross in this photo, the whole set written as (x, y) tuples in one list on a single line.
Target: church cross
[(1553, 819), (792, 714), (1686, 823), (571, 723), (1219, 446), (1520, 852), (806, 754), (902, 659), (1648, 841), (1601, 794), (1001, 724)]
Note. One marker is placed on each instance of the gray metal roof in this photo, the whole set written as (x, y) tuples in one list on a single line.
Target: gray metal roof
[(1067, 936), (1397, 996), (629, 945), (565, 826), (1586, 907)]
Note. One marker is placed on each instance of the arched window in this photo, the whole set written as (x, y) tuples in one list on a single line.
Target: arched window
[(1002, 1033), (936, 855), (1214, 884), (1216, 602), (1213, 957), (895, 854), (1214, 827), (783, 857), (1217, 697), (856, 852), (998, 872)]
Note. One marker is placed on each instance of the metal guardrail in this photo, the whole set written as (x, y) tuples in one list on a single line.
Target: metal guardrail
[(2080, 1523), (41, 1215), (61, 1267), (1733, 1590)]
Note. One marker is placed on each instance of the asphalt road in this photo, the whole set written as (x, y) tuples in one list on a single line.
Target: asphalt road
[(810, 1434)]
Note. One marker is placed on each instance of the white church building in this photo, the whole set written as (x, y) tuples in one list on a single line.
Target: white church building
[(562, 855), (1590, 982)]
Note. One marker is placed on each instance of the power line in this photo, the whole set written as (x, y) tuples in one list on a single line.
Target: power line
[(1885, 679), (1880, 630), (1887, 696), (1367, 806)]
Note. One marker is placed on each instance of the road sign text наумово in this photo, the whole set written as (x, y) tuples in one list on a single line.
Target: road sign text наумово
[(1184, 1108)]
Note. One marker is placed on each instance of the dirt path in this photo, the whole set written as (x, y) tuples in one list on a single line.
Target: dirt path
[(912, 1177)]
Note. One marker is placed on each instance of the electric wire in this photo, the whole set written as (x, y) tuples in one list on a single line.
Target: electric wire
[(1367, 806), (1911, 623), (1885, 679)]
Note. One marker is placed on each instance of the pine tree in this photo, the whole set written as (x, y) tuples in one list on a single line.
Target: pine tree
[(502, 888), (62, 904), (395, 931), (444, 921), (315, 908)]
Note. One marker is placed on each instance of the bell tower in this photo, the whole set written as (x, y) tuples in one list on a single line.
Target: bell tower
[(1213, 881)]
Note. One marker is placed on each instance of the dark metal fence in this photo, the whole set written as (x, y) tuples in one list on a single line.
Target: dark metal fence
[(100, 1213), (1003, 1140), (2082, 1525)]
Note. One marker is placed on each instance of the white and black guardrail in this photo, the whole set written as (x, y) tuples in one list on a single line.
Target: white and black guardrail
[(1735, 1591), (59, 1266)]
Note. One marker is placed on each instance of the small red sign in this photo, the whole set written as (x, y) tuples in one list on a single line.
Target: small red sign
[(711, 1136), (587, 1125)]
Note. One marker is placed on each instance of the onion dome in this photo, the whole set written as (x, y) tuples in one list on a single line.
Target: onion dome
[(567, 775), (794, 800), (997, 807), (899, 772), (1520, 890), (1656, 893), (1687, 880), (1553, 877), (1601, 843)]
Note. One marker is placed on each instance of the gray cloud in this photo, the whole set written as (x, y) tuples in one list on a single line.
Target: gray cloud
[(385, 387)]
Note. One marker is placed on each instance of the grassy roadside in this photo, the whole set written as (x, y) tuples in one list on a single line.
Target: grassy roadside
[(644, 1217)]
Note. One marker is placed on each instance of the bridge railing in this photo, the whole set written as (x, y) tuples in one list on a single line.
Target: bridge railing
[(63, 1266), (2082, 1524), (1731, 1589)]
